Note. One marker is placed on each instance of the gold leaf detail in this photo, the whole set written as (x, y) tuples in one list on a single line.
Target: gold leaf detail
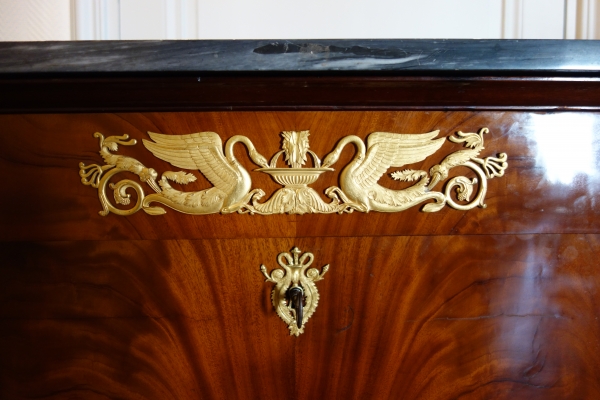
[(232, 189), (295, 146), (408, 175), (180, 177)]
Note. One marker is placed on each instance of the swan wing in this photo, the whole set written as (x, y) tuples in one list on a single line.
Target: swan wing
[(385, 150), (202, 151)]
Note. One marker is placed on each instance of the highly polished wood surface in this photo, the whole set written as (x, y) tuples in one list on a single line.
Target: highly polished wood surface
[(444, 317), (501, 302), (551, 185), (226, 93), (494, 303)]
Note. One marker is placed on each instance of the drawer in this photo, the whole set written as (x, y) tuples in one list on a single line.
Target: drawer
[(443, 316), (550, 186)]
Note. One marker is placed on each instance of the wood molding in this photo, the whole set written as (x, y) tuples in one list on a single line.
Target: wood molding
[(521, 19), (95, 20), (570, 19), (582, 19), (181, 19), (512, 19)]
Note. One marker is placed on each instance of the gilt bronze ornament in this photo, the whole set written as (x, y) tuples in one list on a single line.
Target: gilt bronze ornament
[(232, 189)]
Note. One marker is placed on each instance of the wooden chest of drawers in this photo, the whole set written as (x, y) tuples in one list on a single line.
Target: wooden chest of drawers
[(501, 301)]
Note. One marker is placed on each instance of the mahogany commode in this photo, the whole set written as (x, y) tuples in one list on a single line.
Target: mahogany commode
[(496, 302)]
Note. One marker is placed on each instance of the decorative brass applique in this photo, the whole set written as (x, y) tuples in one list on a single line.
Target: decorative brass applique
[(232, 190), (359, 178), (295, 295), (296, 197)]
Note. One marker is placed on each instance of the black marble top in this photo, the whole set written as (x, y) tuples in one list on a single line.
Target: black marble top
[(527, 57)]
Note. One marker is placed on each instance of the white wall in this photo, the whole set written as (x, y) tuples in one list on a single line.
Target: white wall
[(35, 20), (311, 19), (293, 19)]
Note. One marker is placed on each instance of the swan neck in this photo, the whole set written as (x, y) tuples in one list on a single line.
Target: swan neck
[(358, 142), (232, 141)]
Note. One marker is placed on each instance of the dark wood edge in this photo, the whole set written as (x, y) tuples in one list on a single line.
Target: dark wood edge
[(301, 108), (191, 93)]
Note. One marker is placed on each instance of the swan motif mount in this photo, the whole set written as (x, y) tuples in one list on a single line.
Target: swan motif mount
[(232, 185)]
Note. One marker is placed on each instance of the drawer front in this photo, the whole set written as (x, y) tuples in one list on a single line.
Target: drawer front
[(494, 302), (550, 185), (440, 317)]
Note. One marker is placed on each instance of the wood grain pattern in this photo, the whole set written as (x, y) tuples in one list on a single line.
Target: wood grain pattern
[(551, 185), (441, 317), (494, 303), (139, 320)]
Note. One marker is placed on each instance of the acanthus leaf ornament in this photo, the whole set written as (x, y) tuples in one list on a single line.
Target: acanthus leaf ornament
[(232, 186)]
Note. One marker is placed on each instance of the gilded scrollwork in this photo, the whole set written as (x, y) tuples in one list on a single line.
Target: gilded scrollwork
[(96, 176), (232, 185)]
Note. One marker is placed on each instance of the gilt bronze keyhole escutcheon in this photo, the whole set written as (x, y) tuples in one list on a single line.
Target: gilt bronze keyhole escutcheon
[(295, 295)]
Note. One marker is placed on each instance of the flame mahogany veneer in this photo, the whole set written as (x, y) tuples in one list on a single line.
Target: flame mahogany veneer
[(494, 303)]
